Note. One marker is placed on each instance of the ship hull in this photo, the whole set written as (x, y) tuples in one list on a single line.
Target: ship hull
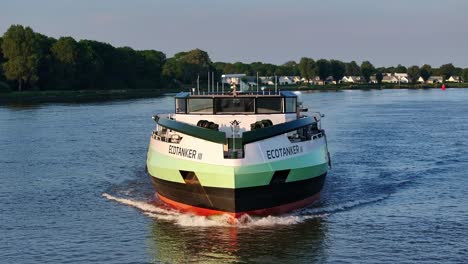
[(267, 181), (272, 199)]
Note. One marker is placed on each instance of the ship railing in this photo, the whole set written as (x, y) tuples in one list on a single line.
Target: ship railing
[(301, 135), (166, 136), (248, 92), (162, 133)]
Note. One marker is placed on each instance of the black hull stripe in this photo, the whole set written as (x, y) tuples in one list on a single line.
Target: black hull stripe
[(242, 199)]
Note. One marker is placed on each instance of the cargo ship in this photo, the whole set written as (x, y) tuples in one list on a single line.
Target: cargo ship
[(256, 153)]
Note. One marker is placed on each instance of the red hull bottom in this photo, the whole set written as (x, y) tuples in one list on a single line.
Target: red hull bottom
[(281, 209)]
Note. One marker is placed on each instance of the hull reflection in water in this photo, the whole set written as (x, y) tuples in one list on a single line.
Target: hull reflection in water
[(268, 244)]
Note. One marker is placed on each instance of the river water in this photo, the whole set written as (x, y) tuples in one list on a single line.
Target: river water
[(73, 187)]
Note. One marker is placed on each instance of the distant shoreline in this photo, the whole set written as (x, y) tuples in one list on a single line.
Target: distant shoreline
[(79, 96), (83, 96), (347, 86)]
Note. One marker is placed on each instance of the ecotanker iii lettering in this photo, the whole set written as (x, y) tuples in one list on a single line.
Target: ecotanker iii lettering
[(184, 152), (283, 152)]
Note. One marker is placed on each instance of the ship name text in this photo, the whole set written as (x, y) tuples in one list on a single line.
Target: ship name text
[(283, 152), (184, 152)]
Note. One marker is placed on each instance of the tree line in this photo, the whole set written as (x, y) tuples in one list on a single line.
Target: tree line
[(30, 60)]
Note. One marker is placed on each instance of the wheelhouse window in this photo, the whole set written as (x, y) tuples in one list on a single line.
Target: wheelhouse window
[(200, 105), (181, 105), (290, 103), (269, 105), (234, 105)]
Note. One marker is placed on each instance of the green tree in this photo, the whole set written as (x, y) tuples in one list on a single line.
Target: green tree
[(257, 67), (66, 50), (413, 73), (352, 69), (379, 77), (337, 69), (447, 70), (307, 68), (367, 69), (22, 51), (390, 69), (3, 85), (322, 69), (173, 69), (270, 69), (465, 74), (186, 66), (244, 68), (262, 69), (425, 72), (2, 60), (401, 69), (45, 70), (101, 66), (291, 68), (129, 67), (280, 71), (65, 56), (153, 63)]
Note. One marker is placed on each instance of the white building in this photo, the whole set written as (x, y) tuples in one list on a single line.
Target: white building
[(404, 79), (389, 79), (269, 80), (454, 78), (401, 75), (435, 79), (285, 80), (233, 79), (352, 79)]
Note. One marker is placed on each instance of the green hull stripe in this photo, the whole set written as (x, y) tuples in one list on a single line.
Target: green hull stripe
[(167, 168), (306, 173), (167, 173)]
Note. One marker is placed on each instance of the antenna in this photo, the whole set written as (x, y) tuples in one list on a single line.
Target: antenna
[(222, 84), (276, 84), (257, 82)]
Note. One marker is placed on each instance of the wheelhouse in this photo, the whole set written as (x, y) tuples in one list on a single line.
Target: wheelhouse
[(284, 102)]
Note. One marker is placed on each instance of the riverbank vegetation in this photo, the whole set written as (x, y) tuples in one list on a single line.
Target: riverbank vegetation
[(32, 63)]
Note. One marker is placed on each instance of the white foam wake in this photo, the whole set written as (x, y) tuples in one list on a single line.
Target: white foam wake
[(141, 205), (329, 209), (182, 219), (154, 211)]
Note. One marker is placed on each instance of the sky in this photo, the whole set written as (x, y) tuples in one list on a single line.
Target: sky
[(387, 33)]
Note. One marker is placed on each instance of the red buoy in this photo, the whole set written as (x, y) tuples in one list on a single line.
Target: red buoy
[(443, 87)]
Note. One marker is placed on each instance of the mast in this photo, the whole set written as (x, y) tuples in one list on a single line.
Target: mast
[(257, 82), (198, 84), (208, 82), (222, 84), (276, 85)]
